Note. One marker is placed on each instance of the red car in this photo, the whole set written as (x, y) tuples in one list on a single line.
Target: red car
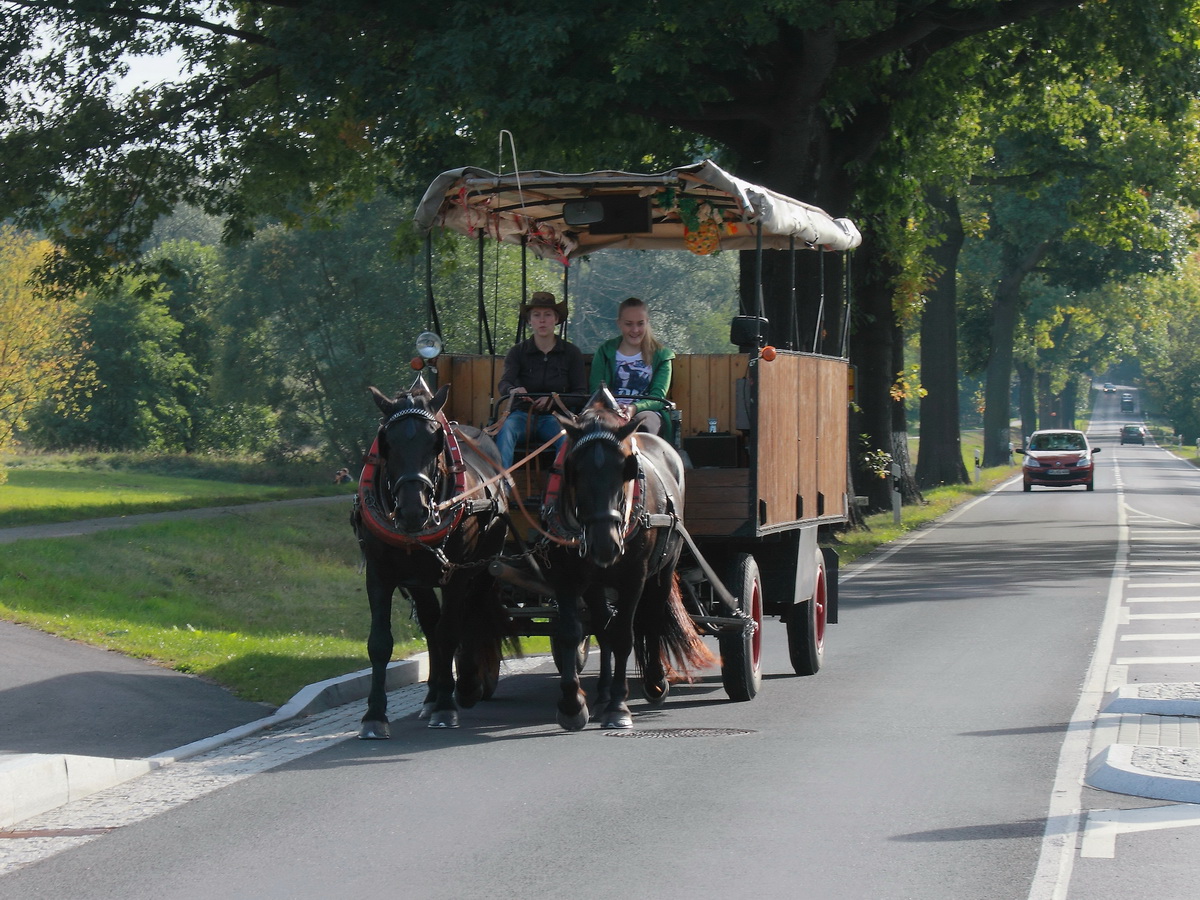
[(1058, 458)]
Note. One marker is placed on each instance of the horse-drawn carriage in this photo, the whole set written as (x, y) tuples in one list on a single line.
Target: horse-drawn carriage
[(764, 430)]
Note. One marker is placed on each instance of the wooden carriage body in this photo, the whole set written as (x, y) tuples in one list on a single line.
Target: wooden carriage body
[(775, 459)]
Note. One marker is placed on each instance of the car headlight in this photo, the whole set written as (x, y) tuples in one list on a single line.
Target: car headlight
[(1030, 462), (1085, 462)]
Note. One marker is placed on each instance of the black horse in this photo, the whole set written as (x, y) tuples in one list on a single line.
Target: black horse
[(427, 516), (612, 562)]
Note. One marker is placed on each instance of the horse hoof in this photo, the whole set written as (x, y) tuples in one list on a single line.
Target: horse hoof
[(657, 693), (618, 718), (573, 722), (426, 710), (444, 719), (374, 731)]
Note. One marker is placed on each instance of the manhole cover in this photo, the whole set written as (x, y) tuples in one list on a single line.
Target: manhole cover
[(679, 732)]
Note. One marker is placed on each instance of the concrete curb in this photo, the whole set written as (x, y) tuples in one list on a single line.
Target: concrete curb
[(1145, 769), (34, 783), (1157, 699), (1157, 773)]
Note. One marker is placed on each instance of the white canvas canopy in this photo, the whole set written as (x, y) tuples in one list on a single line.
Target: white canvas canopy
[(700, 207)]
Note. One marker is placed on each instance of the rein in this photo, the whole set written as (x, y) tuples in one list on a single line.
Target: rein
[(502, 473)]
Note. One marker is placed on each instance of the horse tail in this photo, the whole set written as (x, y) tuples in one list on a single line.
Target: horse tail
[(664, 631)]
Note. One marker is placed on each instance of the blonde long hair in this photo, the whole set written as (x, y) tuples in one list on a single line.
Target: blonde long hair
[(650, 344)]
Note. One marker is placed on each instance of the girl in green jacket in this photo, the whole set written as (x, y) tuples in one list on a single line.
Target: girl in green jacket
[(636, 366)]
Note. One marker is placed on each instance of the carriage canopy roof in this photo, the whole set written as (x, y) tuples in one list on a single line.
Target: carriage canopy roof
[(700, 207)]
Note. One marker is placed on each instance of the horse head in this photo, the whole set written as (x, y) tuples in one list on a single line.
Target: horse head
[(599, 467), (411, 440)]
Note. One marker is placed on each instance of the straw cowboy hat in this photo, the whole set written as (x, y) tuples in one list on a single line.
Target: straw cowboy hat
[(544, 300)]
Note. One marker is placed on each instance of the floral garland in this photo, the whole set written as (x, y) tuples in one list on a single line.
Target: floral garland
[(703, 224)]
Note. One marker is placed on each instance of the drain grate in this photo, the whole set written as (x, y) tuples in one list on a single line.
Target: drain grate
[(679, 733)]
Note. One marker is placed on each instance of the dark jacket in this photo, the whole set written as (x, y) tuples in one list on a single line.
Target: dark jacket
[(559, 371)]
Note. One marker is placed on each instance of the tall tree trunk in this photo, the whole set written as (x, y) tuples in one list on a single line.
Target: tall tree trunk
[(873, 350), (1026, 399), (939, 454), (998, 384), (1047, 413), (1069, 403)]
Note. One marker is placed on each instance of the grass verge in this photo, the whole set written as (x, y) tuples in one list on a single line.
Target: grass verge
[(41, 489), (262, 602)]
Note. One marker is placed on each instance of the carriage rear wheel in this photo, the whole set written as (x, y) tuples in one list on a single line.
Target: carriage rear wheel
[(741, 653), (806, 626)]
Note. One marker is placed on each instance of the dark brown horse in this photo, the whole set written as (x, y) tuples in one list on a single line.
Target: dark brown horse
[(426, 517), (612, 567)]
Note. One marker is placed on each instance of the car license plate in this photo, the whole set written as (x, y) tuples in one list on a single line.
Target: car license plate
[(1059, 472)]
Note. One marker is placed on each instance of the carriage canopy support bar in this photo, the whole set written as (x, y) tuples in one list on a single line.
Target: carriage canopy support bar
[(681, 202)]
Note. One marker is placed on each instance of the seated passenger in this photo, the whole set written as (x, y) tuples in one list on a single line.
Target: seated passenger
[(542, 364), (635, 365)]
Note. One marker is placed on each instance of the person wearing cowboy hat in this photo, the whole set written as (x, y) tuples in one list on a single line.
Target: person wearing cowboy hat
[(543, 364)]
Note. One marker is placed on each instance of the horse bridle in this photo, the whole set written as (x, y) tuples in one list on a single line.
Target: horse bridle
[(419, 477), (620, 517)]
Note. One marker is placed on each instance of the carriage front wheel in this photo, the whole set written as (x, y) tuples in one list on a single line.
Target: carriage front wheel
[(741, 653), (806, 623)]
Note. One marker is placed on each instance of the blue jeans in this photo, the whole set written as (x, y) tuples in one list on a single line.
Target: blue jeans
[(512, 432)]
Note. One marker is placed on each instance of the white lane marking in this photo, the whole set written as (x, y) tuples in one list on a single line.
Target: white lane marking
[(1158, 660), (1153, 518), (1104, 825), (1160, 637), (1162, 599), (1158, 585), (1052, 878), (1195, 615)]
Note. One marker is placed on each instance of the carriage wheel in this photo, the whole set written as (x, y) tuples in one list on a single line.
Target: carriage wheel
[(806, 626), (741, 654)]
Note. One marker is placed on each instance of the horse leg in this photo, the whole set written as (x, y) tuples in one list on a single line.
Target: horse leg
[(442, 646), (619, 634), (428, 611), (650, 629), (616, 712), (379, 649), (572, 705), (598, 615), (604, 682), (474, 655)]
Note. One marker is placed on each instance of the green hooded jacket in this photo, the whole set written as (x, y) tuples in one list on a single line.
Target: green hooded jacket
[(604, 369)]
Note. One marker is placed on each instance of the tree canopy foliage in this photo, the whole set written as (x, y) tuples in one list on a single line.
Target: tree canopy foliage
[(290, 113), (36, 350)]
